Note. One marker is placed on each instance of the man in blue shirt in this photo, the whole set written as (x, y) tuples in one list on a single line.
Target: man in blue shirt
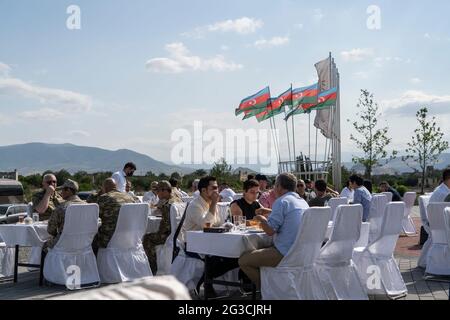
[(283, 222), (361, 195)]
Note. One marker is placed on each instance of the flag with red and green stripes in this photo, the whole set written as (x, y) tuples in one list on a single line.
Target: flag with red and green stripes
[(256, 102), (276, 106), (324, 100)]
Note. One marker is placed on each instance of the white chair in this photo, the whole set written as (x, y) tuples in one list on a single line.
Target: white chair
[(124, 258), (295, 277), (377, 208), (187, 270), (223, 207), (74, 248), (423, 204), (447, 223), (333, 203), (237, 196), (164, 252), (407, 223), (376, 265), (337, 272), (438, 258), (389, 196), (6, 260)]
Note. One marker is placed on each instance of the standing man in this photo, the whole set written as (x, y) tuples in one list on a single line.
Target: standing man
[(120, 176), (361, 195), (441, 192), (47, 199)]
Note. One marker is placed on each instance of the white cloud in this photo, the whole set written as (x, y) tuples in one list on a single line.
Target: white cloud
[(298, 26), (241, 26), (181, 60), (273, 42), (48, 114), (4, 69), (415, 80), (13, 86), (79, 133), (361, 75), (224, 47), (357, 54), (410, 101), (318, 15), (379, 61)]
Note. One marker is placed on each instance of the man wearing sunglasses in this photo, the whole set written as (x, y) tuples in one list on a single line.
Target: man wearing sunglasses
[(47, 199)]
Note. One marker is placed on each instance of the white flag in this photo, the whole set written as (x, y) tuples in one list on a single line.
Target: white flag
[(322, 120)]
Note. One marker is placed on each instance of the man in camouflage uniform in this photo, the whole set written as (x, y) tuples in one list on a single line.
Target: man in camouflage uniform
[(56, 221), (151, 240), (47, 199), (109, 206)]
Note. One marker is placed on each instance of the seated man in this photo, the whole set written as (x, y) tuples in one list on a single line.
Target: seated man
[(284, 222), (56, 222), (247, 206), (151, 197), (131, 193), (361, 195), (322, 196), (109, 207), (200, 212), (47, 199), (151, 240), (301, 190), (443, 190), (226, 193), (385, 187)]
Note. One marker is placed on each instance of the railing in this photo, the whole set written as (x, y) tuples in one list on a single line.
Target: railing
[(312, 170)]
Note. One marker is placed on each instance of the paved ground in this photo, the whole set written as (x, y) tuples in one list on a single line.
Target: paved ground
[(407, 252)]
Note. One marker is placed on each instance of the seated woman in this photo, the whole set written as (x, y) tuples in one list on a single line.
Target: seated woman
[(247, 206)]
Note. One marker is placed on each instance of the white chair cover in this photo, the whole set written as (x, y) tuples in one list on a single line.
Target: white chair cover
[(377, 209), (389, 196), (423, 204), (164, 252), (187, 270), (74, 247), (335, 266), (124, 258), (237, 196), (334, 203), (223, 210), (447, 223), (386, 278), (6, 260), (438, 258), (150, 288), (407, 223), (295, 277), (187, 199)]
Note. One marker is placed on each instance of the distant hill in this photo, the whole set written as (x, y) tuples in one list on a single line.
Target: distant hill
[(38, 157), (397, 166)]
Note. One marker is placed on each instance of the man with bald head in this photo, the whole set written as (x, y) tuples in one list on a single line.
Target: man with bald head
[(47, 199), (109, 205)]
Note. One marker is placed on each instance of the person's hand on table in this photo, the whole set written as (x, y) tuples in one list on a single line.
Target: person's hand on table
[(260, 218), (263, 212)]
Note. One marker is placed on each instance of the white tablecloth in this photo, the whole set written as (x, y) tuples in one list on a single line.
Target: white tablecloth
[(363, 238), (153, 224), (228, 245), (26, 235)]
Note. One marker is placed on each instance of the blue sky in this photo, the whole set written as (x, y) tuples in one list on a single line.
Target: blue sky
[(136, 71)]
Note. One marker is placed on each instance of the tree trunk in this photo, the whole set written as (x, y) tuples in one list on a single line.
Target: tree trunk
[(423, 181)]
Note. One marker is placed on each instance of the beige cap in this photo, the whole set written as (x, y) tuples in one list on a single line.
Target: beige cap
[(70, 184)]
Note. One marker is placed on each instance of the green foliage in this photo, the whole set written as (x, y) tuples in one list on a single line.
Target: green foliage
[(401, 189), (372, 141)]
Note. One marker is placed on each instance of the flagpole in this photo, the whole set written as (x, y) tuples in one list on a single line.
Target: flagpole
[(293, 141), (287, 130), (274, 134)]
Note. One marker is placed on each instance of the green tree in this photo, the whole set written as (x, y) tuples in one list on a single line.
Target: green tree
[(427, 143), (62, 175), (221, 169), (371, 139), (200, 173)]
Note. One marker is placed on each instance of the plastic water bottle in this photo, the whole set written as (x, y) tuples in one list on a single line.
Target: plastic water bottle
[(35, 217)]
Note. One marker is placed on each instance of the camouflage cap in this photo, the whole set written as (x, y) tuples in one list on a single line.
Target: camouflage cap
[(69, 184), (164, 184)]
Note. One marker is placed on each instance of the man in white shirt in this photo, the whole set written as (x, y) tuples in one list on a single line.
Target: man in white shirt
[(203, 212), (441, 192), (226, 193), (194, 188), (151, 197), (119, 177)]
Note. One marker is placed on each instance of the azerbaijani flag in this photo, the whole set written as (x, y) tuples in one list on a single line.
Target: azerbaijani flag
[(257, 102), (276, 106), (326, 99), (305, 95)]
